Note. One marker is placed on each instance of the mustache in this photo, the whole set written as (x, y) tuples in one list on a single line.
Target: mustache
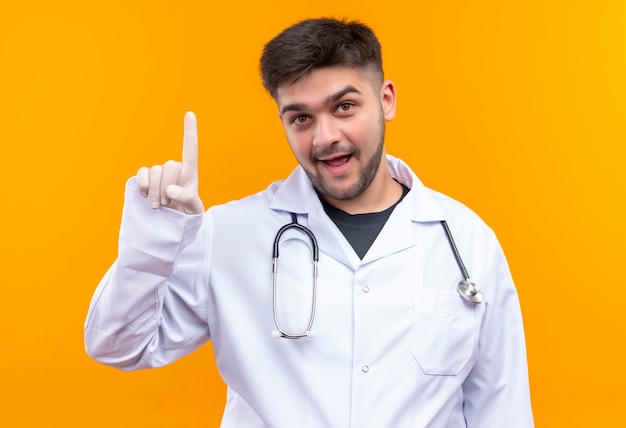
[(333, 150)]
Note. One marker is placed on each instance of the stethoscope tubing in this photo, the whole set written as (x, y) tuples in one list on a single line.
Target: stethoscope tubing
[(455, 250), (466, 287), (468, 290), (316, 255)]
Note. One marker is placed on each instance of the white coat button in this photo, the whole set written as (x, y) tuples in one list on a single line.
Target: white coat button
[(366, 289), (365, 369)]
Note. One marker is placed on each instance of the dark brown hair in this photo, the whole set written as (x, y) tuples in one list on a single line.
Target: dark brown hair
[(318, 43)]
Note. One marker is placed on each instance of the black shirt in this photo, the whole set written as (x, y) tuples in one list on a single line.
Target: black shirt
[(361, 230)]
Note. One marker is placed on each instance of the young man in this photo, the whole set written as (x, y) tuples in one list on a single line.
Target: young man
[(396, 343)]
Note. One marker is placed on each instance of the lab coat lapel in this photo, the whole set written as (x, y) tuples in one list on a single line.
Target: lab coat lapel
[(400, 232), (331, 241), (397, 234), (296, 195), (418, 206)]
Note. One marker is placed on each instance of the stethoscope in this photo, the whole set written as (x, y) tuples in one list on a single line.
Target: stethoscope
[(466, 288)]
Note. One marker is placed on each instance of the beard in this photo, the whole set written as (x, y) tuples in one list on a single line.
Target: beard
[(365, 177)]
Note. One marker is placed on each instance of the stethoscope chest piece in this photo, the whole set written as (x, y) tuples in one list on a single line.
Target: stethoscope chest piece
[(469, 291)]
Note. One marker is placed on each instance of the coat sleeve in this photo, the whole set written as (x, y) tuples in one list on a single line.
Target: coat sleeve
[(496, 392), (150, 307)]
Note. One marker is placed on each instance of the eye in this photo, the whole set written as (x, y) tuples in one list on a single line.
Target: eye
[(299, 119), (344, 107)]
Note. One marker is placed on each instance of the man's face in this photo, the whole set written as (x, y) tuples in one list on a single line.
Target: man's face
[(334, 120)]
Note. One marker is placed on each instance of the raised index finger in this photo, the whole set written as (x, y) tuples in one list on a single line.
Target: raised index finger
[(190, 142)]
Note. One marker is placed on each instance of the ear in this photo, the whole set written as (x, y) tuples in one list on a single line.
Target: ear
[(388, 99)]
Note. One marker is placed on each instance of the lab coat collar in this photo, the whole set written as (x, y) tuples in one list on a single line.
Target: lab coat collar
[(296, 194)]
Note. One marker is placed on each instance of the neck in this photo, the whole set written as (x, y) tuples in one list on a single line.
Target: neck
[(381, 194)]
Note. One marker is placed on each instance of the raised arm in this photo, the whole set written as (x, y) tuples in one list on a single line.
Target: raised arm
[(149, 309)]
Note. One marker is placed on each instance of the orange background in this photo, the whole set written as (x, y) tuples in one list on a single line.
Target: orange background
[(515, 108)]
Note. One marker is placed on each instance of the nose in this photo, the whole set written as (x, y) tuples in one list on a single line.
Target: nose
[(326, 131)]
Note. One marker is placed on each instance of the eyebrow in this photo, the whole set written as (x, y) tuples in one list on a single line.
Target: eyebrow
[(330, 100)]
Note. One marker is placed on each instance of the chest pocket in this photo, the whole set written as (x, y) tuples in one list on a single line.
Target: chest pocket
[(444, 332)]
